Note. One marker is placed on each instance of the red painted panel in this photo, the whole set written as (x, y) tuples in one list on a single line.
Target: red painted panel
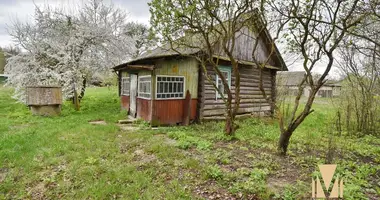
[(124, 102), (170, 111), (144, 109)]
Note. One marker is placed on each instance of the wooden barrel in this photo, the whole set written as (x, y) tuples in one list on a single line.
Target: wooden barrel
[(44, 100)]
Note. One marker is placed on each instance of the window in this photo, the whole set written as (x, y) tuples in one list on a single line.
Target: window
[(170, 87), (144, 86), (125, 86), (226, 71)]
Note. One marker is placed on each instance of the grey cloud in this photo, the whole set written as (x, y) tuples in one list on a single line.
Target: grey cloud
[(137, 8)]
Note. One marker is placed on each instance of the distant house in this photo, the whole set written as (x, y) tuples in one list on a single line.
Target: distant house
[(288, 82), (153, 86), (3, 78)]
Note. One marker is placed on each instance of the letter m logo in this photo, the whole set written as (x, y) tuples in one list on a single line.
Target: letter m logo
[(329, 189)]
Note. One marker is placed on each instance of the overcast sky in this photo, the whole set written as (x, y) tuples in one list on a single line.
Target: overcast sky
[(23, 10), (10, 10)]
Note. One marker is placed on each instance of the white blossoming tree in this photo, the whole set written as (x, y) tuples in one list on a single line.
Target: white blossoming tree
[(65, 49)]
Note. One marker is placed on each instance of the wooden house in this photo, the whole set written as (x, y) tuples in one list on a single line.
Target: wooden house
[(153, 86), (289, 82)]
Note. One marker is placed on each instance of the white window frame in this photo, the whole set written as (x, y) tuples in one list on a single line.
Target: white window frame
[(138, 87), (123, 84), (183, 91), (222, 69)]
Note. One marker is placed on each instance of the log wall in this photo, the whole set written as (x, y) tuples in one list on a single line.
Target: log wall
[(252, 100)]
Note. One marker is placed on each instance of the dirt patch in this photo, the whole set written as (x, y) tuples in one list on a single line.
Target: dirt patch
[(97, 122), (128, 127), (141, 157), (3, 175), (37, 191), (166, 139), (211, 190)]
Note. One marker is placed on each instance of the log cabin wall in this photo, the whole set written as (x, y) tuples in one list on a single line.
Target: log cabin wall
[(252, 100)]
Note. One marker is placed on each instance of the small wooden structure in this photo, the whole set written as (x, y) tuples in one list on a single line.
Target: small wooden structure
[(44, 100), (154, 85)]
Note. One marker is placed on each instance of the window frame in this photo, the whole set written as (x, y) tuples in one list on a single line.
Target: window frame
[(123, 86), (138, 87), (222, 69), (183, 92)]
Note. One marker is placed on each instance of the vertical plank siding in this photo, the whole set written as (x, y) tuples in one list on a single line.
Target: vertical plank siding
[(187, 67), (251, 98), (171, 111), (144, 109), (244, 46), (124, 102)]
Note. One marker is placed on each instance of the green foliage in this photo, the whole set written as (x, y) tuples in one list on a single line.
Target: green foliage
[(254, 184), (214, 172), (186, 141), (66, 157)]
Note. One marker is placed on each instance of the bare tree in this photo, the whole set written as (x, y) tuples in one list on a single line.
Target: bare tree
[(206, 30), (314, 29), (359, 65)]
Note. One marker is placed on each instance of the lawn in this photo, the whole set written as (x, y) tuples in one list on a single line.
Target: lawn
[(66, 157)]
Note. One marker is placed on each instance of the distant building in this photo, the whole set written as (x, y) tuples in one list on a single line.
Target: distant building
[(289, 82), (3, 78)]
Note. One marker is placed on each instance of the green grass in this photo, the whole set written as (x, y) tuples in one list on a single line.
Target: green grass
[(66, 157)]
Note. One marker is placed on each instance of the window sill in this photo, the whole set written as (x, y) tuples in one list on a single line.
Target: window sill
[(179, 98), (144, 98)]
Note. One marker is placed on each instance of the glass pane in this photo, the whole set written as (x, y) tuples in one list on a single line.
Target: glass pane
[(158, 78), (175, 89), (161, 87), (166, 89), (170, 87)]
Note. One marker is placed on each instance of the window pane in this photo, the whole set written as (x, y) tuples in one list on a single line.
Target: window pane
[(175, 87), (170, 87)]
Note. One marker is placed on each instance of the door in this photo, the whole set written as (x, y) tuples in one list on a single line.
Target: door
[(133, 95)]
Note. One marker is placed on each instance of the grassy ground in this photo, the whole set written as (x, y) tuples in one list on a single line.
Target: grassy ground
[(66, 157)]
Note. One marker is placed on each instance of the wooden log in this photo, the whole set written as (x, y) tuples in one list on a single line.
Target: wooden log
[(244, 105), (240, 111)]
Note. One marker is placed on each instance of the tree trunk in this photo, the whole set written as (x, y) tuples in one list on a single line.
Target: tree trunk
[(229, 126), (83, 90), (284, 141)]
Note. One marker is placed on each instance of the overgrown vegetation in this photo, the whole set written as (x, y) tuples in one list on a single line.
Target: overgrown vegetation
[(66, 157)]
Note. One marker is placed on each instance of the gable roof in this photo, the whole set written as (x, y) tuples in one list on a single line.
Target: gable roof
[(166, 51), (293, 78)]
